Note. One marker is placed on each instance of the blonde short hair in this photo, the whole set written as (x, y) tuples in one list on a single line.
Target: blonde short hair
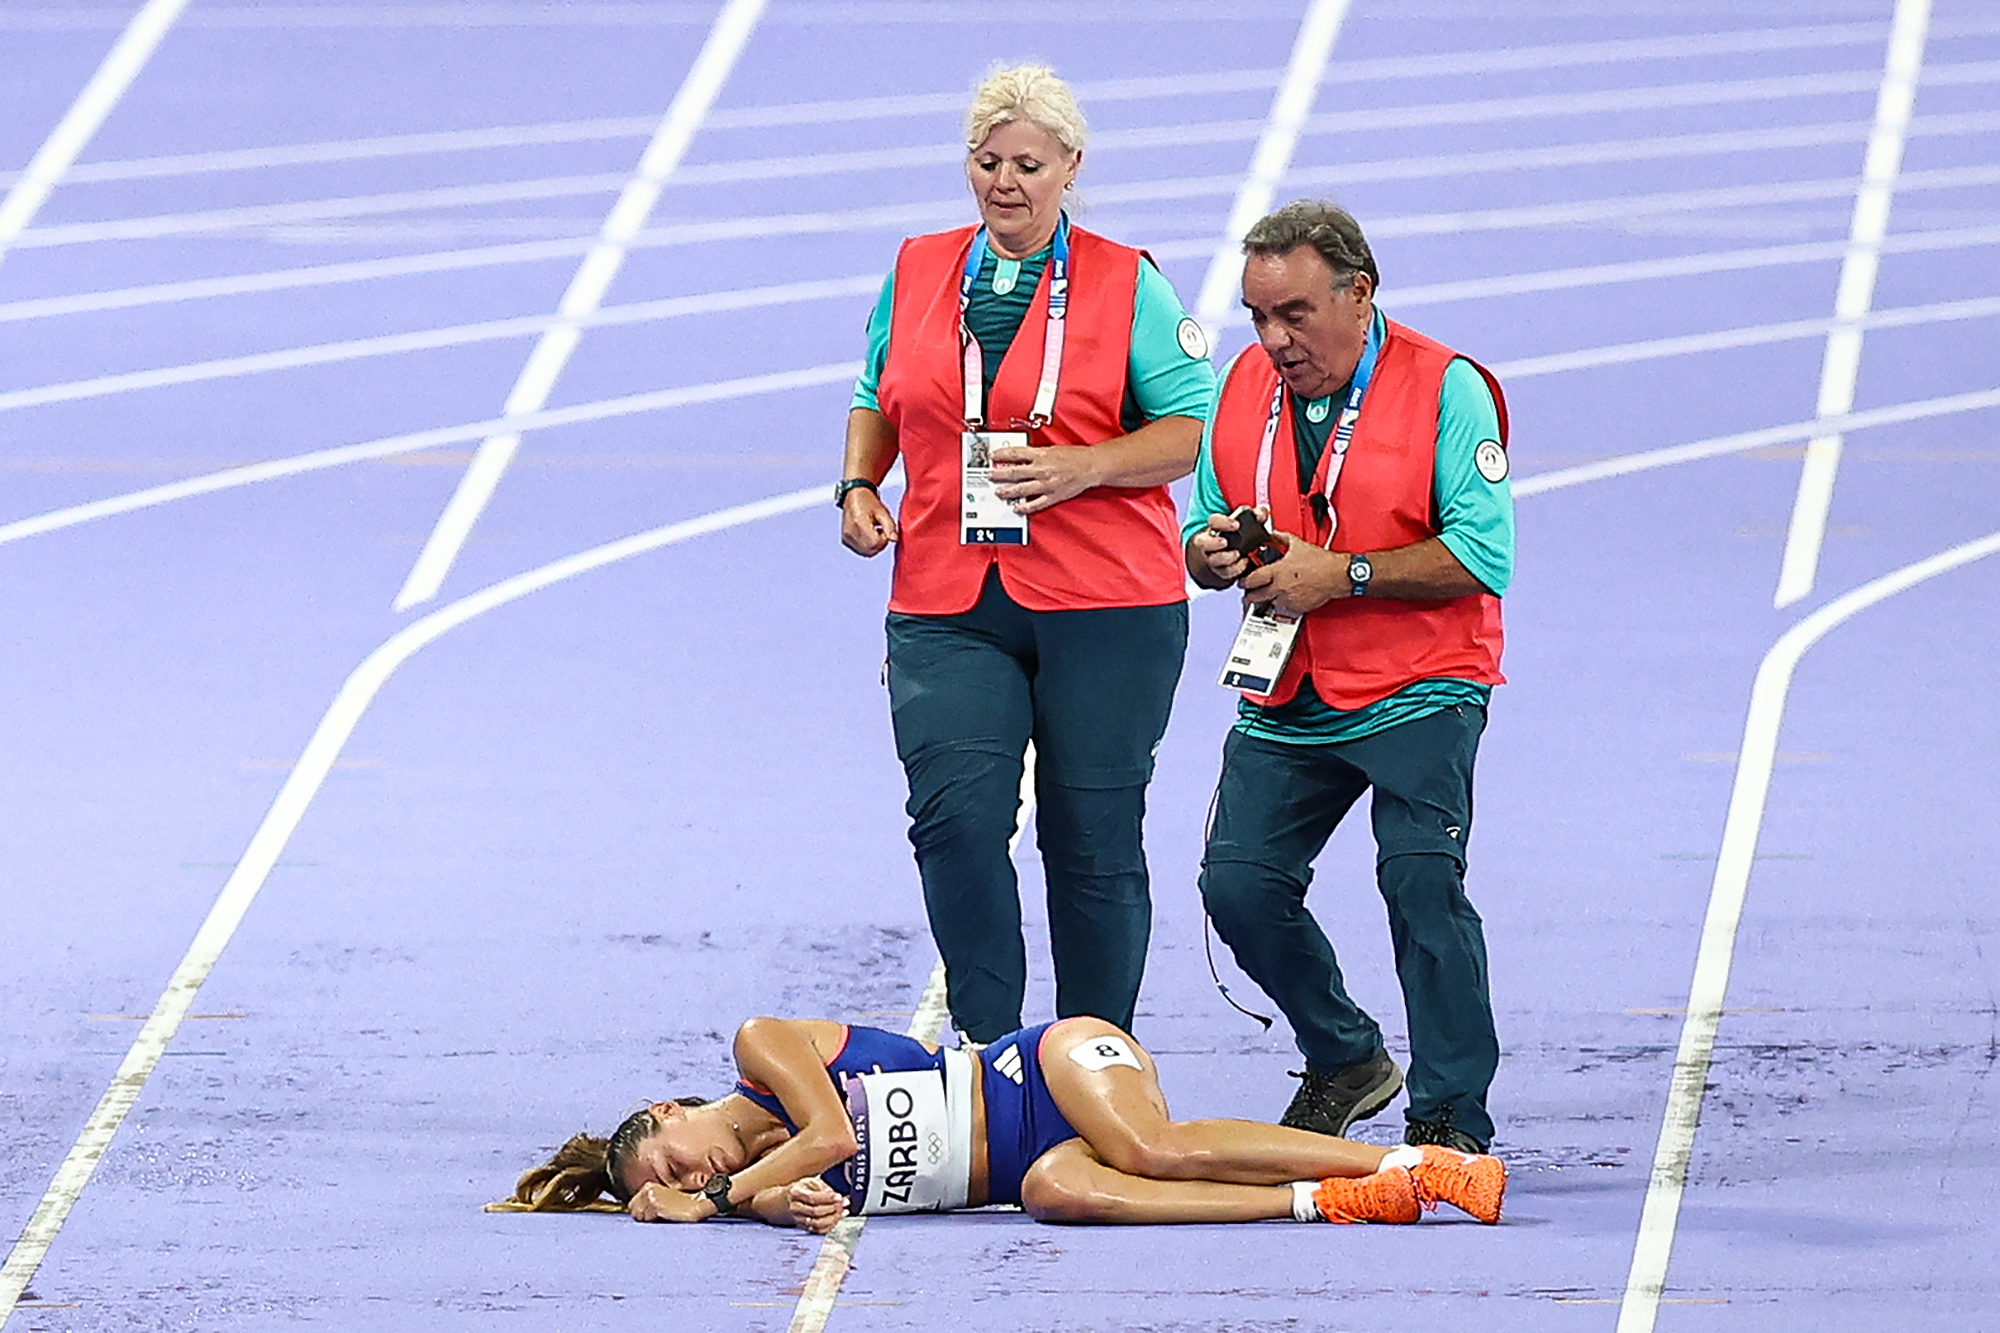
[(1025, 92)]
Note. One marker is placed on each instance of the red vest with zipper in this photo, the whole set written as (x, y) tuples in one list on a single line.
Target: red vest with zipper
[(1106, 547), (1363, 649)]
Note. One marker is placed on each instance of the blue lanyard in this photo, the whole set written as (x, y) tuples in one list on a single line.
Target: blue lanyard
[(972, 358), (1343, 431)]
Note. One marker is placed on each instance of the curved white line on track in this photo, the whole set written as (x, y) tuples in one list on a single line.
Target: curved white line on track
[(307, 776), (1564, 214), (121, 65), (319, 460), (1840, 366), (1747, 800), (275, 830), (422, 340), (218, 221), (553, 349), (459, 335)]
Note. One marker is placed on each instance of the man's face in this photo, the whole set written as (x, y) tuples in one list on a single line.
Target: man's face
[(1312, 327)]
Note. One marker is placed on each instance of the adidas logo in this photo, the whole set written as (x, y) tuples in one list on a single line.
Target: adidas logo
[(1008, 1062)]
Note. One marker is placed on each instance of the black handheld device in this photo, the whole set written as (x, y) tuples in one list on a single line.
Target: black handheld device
[(1252, 540)]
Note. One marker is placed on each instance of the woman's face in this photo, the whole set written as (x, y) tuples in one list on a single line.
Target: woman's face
[(684, 1151), (1018, 174)]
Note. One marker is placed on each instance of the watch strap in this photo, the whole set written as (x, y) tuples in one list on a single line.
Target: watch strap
[(716, 1191), (846, 487)]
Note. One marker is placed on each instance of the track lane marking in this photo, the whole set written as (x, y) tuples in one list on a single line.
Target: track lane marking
[(121, 65), (318, 460), (1748, 796), (1840, 366), (553, 349), (301, 785), (836, 1252), (1565, 214), (1312, 48), (360, 688)]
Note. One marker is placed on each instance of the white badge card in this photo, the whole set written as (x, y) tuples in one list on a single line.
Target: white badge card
[(1263, 646), (984, 519)]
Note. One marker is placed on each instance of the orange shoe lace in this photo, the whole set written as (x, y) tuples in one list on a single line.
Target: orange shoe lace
[(1386, 1196), (1472, 1182)]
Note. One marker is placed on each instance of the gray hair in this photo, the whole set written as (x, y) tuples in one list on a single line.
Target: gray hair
[(1327, 228), (1025, 92)]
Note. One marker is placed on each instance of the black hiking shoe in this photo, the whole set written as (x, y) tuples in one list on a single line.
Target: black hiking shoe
[(1441, 1132), (1329, 1103)]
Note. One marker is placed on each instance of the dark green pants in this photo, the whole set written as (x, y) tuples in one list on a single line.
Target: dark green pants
[(1275, 808), (1092, 690)]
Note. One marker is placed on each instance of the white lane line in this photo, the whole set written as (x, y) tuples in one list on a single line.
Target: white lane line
[(552, 351), (1840, 366), (275, 831), (323, 749), (421, 340), (557, 133), (1659, 349), (395, 344), (1425, 224), (1625, 465), (218, 221), (128, 55), (1756, 757), (1297, 92), (836, 1252), (319, 460), (1680, 266), (288, 217)]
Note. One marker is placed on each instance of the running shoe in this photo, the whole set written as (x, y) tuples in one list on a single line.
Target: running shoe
[(1471, 1182), (1386, 1196)]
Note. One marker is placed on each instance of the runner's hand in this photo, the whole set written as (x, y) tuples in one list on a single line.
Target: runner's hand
[(658, 1203), (815, 1205)]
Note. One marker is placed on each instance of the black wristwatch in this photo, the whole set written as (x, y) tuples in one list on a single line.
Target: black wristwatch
[(716, 1191), (1359, 571), (843, 489)]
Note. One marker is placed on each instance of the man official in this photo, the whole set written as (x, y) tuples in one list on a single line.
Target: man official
[(1377, 457)]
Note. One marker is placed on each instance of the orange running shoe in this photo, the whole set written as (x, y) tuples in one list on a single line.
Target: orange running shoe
[(1473, 1182), (1386, 1196)]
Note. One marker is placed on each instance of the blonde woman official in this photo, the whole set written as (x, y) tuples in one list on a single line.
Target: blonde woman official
[(1041, 385)]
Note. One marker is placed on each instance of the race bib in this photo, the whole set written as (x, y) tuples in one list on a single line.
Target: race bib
[(915, 1134)]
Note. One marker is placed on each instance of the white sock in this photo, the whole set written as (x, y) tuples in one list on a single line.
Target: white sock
[(1303, 1207), (1405, 1156)]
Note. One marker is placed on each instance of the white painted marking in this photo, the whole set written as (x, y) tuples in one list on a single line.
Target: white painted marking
[(1747, 798), (128, 55), (1297, 92), (1840, 367), (1625, 465), (218, 220), (319, 460), (836, 1252), (558, 133), (703, 84), (1425, 224), (1680, 266), (396, 344), (268, 843)]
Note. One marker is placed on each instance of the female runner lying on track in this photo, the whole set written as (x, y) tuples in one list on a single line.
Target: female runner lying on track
[(1065, 1119)]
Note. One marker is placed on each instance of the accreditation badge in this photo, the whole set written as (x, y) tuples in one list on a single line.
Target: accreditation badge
[(984, 519), (1263, 646)]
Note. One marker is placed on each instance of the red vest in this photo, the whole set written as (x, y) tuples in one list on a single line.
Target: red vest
[(1106, 547), (1363, 649)]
